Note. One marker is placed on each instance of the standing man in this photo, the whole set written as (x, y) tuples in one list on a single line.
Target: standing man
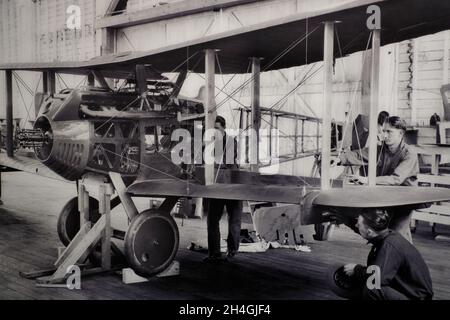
[(395, 269), (215, 206), (397, 165)]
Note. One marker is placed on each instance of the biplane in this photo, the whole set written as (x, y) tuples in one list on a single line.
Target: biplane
[(117, 135)]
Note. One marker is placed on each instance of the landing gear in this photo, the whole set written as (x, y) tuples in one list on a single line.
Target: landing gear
[(151, 242)]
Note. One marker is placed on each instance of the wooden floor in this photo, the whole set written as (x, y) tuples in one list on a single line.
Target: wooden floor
[(28, 241)]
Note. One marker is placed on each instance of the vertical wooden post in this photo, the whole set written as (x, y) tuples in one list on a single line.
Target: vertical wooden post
[(1, 202), (296, 137), (445, 59), (9, 114), (328, 49), (271, 136), (415, 73), (277, 140), (318, 135), (256, 113), (108, 41), (210, 103), (247, 140), (83, 203), (365, 87), (45, 82), (374, 88), (303, 135), (91, 80), (105, 209), (51, 82)]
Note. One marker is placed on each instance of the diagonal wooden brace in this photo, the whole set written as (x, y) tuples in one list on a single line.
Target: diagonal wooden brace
[(88, 235), (125, 198), (76, 249)]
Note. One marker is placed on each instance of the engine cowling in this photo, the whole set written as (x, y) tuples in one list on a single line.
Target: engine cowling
[(72, 144)]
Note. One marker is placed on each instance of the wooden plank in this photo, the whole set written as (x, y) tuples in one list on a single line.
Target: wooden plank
[(429, 217), (434, 179), (437, 209), (168, 11)]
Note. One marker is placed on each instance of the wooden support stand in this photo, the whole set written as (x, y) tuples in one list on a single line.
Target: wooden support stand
[(89, 235), (129, 276), (86, 239)]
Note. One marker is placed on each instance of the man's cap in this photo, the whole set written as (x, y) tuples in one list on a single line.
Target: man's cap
[(376, 219), (221, 120)]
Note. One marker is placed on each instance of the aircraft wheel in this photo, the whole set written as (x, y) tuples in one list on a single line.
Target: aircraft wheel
[(69, 219), (69, 224), (151, 242)]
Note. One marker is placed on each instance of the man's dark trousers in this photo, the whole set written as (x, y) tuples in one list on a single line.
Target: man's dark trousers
[(215, 212)]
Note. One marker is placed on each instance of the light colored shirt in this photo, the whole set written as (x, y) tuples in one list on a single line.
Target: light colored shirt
[(393, 168)]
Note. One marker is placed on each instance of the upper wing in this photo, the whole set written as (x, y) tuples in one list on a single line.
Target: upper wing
[(400, 20)]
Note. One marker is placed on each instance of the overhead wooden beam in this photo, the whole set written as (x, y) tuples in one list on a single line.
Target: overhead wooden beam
[(256, 113), (9, 114), (167, 11), (328, 49), (210, 104), (374, 90)]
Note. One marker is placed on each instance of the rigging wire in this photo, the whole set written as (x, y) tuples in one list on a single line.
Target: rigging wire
[(270, 64)]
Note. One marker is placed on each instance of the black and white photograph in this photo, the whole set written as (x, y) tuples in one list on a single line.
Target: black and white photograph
[(224, 155)]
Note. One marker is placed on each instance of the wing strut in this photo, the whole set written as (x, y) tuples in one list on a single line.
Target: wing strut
[(9, 114), (374, 90), (327, 103)]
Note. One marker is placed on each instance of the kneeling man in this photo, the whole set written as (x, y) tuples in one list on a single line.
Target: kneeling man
[(403, 274)]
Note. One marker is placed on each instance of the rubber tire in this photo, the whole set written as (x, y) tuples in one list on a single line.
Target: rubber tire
[(135, 234), (68, 223), (68, 226)]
